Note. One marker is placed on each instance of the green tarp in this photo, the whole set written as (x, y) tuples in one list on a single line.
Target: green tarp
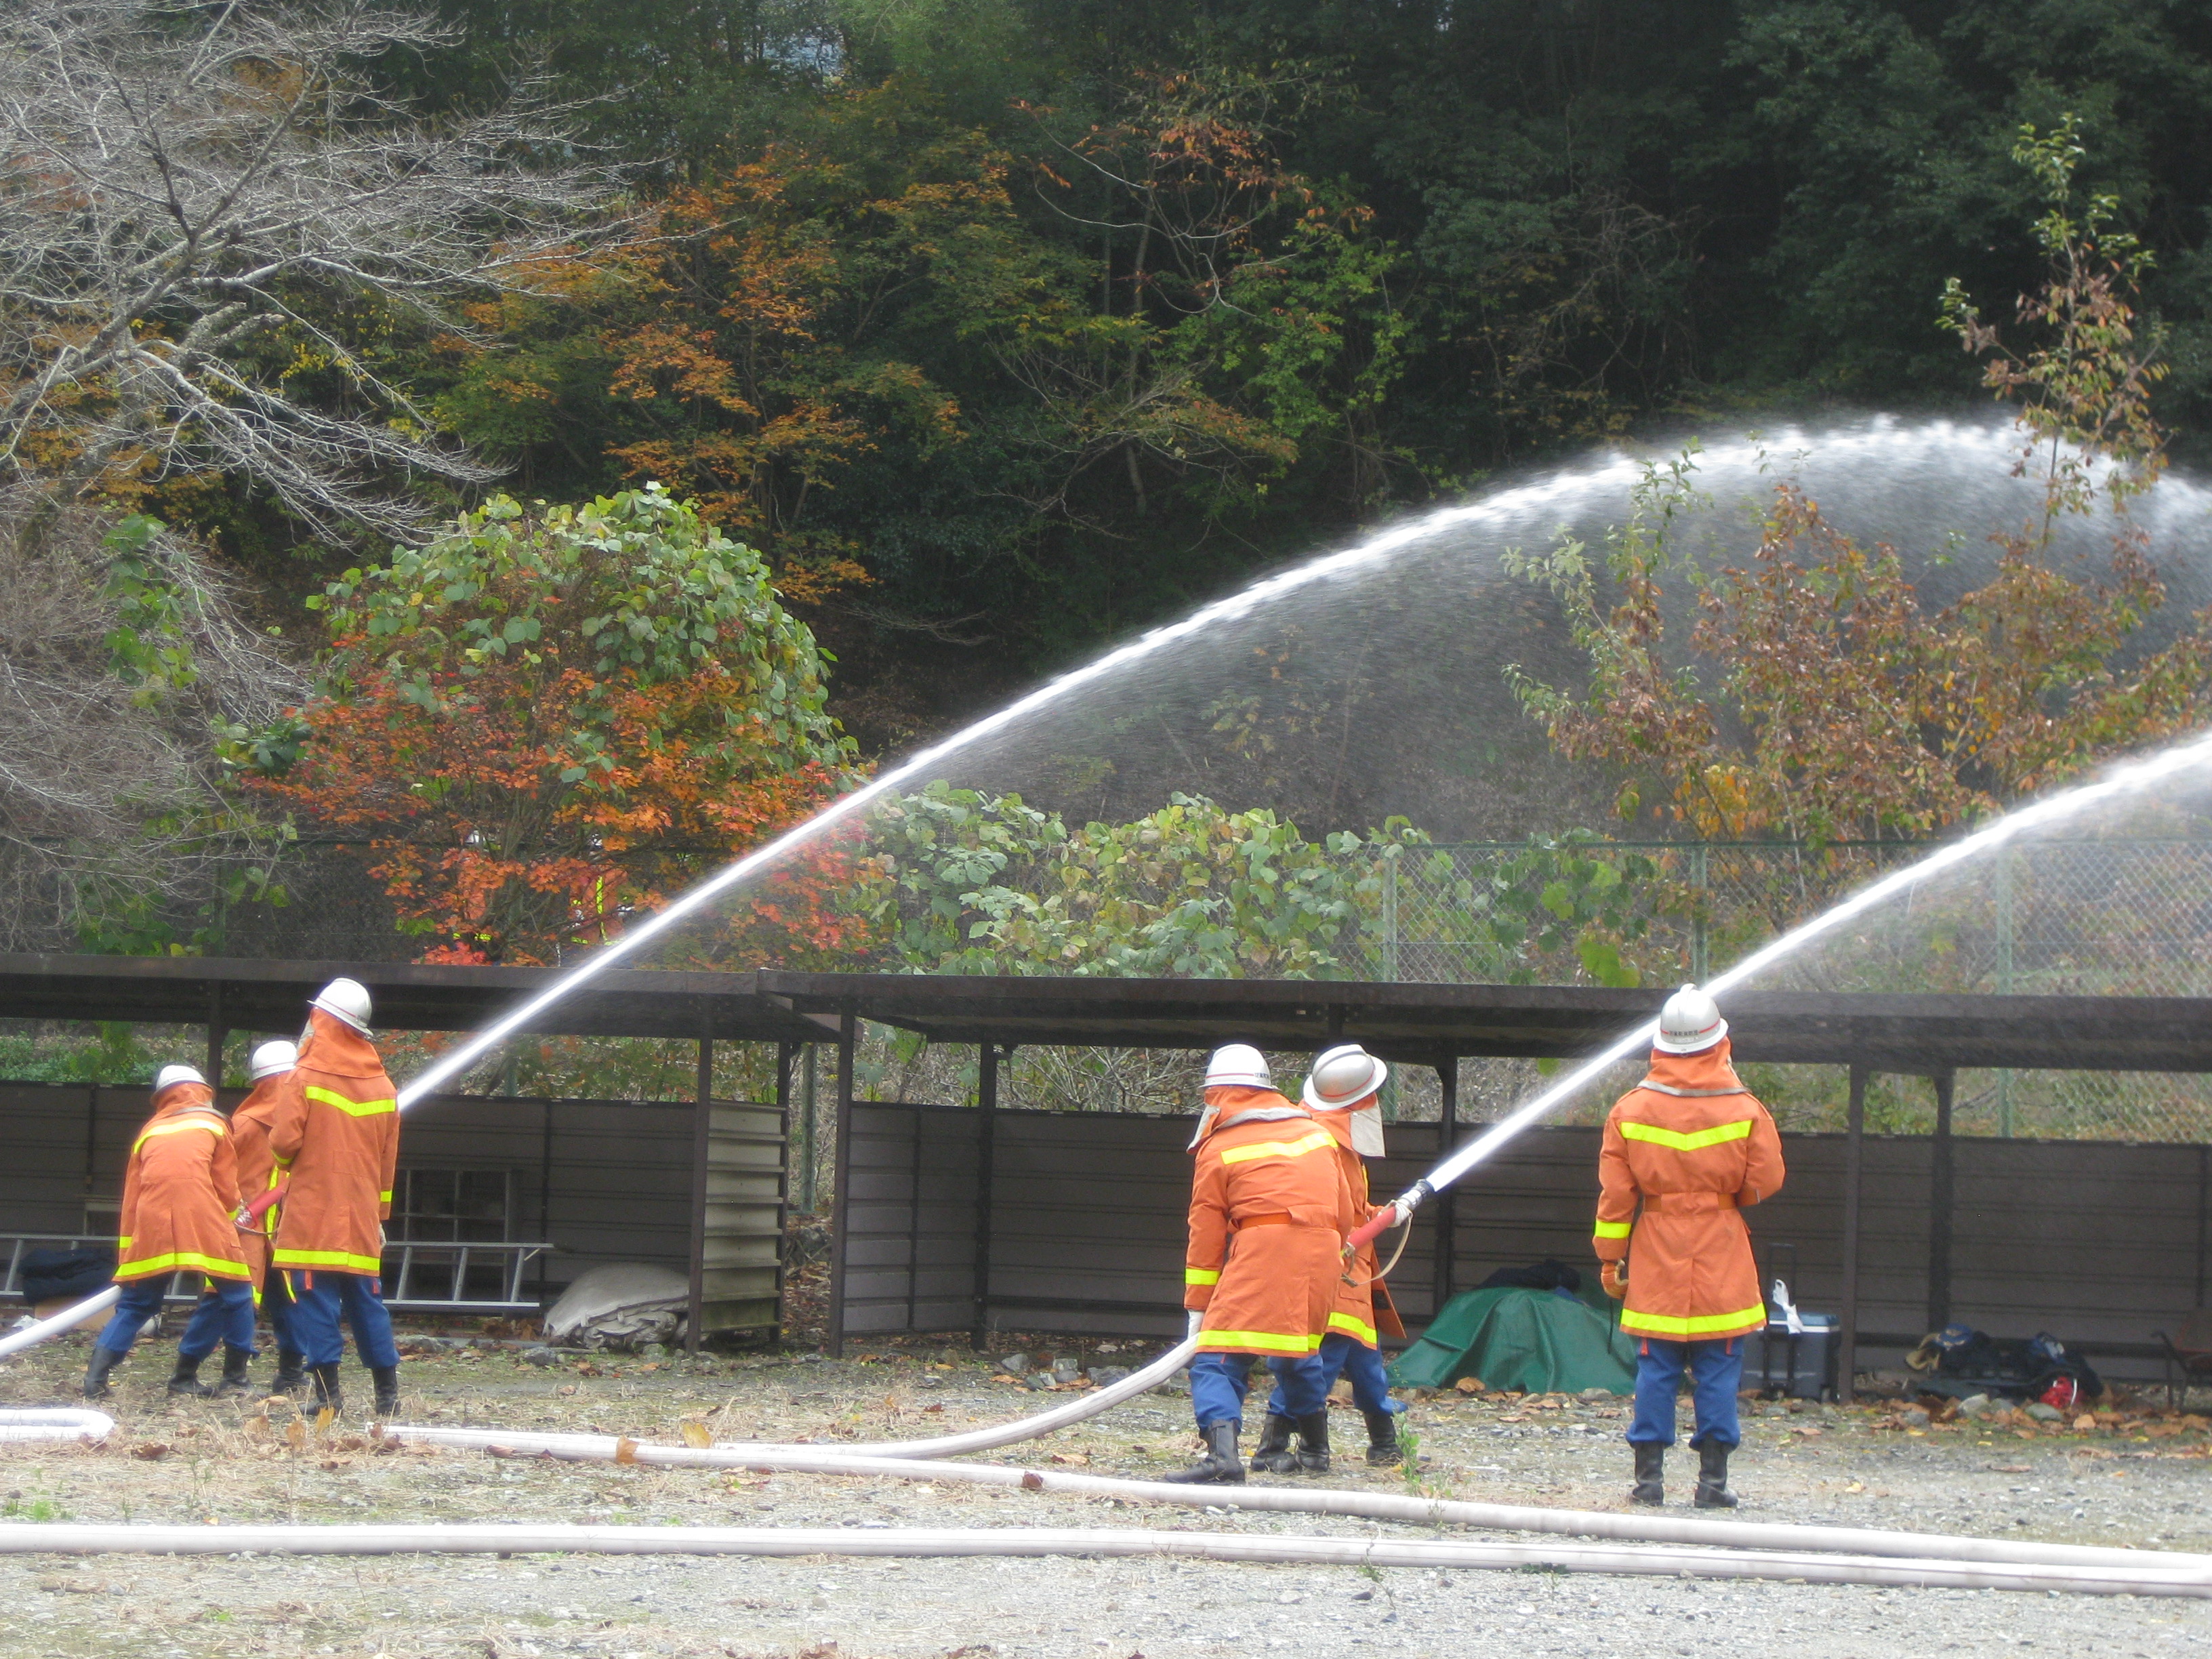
[(1515, 1339)]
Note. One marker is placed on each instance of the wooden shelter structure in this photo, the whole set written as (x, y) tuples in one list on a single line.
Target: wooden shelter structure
[(946, 1217)]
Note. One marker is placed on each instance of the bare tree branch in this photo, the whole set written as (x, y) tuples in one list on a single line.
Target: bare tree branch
[(184, 185)]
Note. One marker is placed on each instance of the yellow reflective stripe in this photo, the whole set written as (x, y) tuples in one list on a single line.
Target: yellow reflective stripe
[(181, 1260), (1200, 1276), (1611, 1229), (1647, 1324), (351, 1108), (343, 1260), (1312, 1143), (1352, 1326), (1675, 1141), (211, 1126), (123, 1243), (1269, 1341), (384, 1198)]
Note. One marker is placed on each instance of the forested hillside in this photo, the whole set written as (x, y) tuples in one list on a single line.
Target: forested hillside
[(468, 469), (1004, 326)]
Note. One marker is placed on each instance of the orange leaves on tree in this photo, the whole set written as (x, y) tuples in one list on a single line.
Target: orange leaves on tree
[(542, 725)]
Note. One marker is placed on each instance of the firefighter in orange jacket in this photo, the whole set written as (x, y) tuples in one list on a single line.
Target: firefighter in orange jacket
[(1268, 1213), (334, 1130), (260, 1183), (1341, 1091), (1691, 1146), (177, 1194)]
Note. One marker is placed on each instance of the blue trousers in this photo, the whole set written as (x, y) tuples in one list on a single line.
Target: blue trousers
[(319, 1297), (1715, 1371), (276, 1303), (225, 1314), (1341, 1356), (1218, 1383)]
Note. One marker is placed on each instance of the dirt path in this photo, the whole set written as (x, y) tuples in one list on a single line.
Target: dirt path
[(2137, 1480)]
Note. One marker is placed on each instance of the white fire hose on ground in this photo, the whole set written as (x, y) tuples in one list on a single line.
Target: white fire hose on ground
[(72, 1539), (54, 1423), (1309, 1500)]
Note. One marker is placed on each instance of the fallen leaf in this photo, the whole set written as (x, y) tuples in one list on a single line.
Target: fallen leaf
[(2085, 1422), (1080, 1460), (1469, 1385), (625, 1449), (325, 1418), (150, 1450), (295, 1432), (1855, 1485), (697, 1434)]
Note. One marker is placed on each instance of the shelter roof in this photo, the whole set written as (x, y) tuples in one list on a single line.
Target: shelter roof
[(251, 995), (1418, 1022), (1424, 1023)]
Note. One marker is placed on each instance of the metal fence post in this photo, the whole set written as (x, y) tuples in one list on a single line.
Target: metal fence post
[(806, 1120), (2004, 976), (1700, 882), (1390, 917)]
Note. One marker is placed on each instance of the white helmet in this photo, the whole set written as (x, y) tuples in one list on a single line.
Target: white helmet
[(1342, 1077), (1238, 1065), (274, 1060), (171, 1076), (1689, 1023), (346, 1000)]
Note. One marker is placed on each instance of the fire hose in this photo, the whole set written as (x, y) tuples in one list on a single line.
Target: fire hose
[(54, 1423), (66, 1538), (1372, 1506)]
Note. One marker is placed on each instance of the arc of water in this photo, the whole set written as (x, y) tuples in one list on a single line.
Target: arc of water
[(2129, 779), (1197, 623)]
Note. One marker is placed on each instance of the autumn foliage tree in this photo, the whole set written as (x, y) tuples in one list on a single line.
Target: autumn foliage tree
[(546, 719), (1845, 708)]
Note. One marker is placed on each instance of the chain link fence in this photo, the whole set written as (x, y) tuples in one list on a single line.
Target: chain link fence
[(2093, 917)]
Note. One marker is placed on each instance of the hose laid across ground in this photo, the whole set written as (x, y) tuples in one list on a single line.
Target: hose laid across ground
[(1374, 1506), (54, 1423), (71, 1539)]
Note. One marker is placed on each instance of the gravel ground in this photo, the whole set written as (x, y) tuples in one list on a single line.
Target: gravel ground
[(2131, 1478)]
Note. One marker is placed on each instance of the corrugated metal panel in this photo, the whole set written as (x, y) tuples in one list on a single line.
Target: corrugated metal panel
[(603, 1181), (2093, 1243), (741, 1233)]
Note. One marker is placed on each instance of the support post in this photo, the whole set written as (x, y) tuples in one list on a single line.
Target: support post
[(702, 1124), (2204, 1196), (217, 1035), (1447, 1201), (841, 1196), (987, 1135), (786, 1054), (806, 1131), (1847, 1343), (1941, 1187)]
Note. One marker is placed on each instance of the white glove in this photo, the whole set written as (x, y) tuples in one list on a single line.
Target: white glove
[(1197, 1318)]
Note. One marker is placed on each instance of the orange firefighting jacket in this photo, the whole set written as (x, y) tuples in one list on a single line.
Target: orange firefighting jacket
[(257, 1167), (335, 1129), (1363, 1301), (1694, 1147), (177, 1192), (1268, 1213)]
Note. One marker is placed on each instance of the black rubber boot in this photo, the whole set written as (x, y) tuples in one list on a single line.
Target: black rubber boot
[(387, 1378), (1383, 1451), (1221, 1466), (1274, 1456), (1713, 1491), (291, 1373), (327, 1391), (1650, 1474), (1313, 1443), (185, 1380), (235, 1381), (104, 1360)]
